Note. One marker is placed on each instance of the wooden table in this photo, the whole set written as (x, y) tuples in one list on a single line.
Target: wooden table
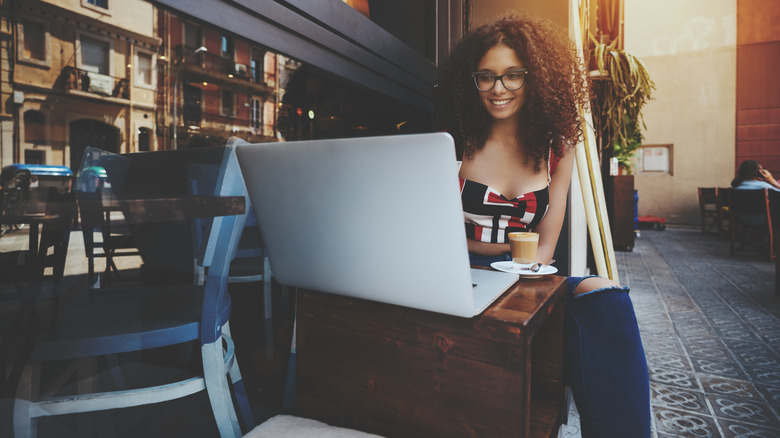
[(401, 372), (34, 220)]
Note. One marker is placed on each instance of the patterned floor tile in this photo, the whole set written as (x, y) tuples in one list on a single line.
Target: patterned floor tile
[(710, 339), (754, 347), (681, 424), (767, 376), (678, 378), (759, 360), (771, 394), (677, 398), (744, 411), (720, 368), (732, 429), (665, 344), (659, 359), (740, 389), (706, 351)]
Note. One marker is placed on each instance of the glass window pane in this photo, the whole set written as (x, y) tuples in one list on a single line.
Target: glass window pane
[(144, 69), (94, 55), (411, 21), (34, 41), (100, 3), (191, 36)]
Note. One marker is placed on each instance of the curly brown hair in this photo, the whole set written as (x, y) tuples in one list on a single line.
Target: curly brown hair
[(555, 84)]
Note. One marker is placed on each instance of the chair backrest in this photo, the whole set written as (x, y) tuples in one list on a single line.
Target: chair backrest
[(16, 191), (774, 205), (161, 174), (723, 197), (745, 203), (223, 237), (210, 180), (56, 233), (707, 196)]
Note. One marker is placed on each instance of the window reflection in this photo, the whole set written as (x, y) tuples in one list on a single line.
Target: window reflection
[(113, 82)]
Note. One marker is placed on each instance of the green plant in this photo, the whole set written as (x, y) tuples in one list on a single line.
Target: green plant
[(624, 152), (620, 90)]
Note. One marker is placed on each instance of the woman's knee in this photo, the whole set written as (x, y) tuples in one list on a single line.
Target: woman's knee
[(592, 284)]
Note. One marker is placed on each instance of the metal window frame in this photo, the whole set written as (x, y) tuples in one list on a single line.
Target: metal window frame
[(330, 35)]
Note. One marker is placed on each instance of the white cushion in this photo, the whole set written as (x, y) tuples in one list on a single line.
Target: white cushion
[(288, 426)]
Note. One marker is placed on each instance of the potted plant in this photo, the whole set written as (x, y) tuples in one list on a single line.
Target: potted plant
[(621, 86)]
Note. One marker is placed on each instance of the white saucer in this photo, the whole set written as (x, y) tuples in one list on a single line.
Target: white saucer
[(523, 270)]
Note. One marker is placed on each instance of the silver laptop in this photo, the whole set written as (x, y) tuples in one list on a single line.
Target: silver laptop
[(378, 218)]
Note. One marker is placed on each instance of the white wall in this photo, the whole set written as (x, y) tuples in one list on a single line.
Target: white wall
[(689, 48)]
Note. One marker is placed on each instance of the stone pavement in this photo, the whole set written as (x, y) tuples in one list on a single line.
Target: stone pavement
[(710, 323)]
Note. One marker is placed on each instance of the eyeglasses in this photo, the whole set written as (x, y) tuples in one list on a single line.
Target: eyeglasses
[(511, 80)]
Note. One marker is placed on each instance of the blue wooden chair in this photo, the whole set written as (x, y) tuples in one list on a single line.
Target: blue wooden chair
[(253, 263), (135, 318)]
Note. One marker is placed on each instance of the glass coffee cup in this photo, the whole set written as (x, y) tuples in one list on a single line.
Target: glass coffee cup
[(523, 245)]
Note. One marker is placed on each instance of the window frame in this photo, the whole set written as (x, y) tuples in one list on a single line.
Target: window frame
[(256, 115), (223, 110), (152, 68), (79, 59), (369, 56), (197, 28), (102, 10), (20, 56)]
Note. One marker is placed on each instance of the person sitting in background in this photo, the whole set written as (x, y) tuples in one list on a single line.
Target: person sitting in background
[(751, 176)]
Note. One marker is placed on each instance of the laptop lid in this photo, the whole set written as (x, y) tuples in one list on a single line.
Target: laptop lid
[(378, 218)]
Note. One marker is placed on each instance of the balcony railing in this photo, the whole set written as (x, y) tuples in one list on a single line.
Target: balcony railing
[(96, 83), (213, 64)]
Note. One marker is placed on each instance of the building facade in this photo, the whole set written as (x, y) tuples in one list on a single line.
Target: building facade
[(81, 73), (213, 85)]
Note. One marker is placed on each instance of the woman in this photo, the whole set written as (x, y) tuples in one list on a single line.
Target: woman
[(751, 176), (510, 95)]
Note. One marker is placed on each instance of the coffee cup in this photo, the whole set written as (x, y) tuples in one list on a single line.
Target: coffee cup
[(523, 246)]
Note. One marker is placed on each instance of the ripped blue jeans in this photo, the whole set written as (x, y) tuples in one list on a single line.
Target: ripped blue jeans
[(604, 360)]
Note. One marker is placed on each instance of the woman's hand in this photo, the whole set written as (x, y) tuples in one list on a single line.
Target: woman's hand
[(766, 175)]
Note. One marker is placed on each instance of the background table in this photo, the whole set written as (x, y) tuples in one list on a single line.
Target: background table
[(401, 372), (34, 221)]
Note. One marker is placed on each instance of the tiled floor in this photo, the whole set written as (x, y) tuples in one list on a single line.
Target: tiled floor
[(710, 323)]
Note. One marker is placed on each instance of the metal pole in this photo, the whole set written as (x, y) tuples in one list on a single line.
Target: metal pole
[(175, 109)]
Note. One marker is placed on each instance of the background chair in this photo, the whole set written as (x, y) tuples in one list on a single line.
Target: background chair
[(723, 210), (708, 208), (30, 286), (127, 319), (750, 221), (94, 199)]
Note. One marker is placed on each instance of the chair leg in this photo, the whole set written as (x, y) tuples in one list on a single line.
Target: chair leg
[(247, 419), (267, 309), (218, 390), (288, 398), (24, 424)]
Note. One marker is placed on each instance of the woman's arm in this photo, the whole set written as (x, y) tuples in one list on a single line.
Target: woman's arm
[(487, 249), (550, 228)]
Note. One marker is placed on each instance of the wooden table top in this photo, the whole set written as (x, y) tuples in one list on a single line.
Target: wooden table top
[(142, 210)]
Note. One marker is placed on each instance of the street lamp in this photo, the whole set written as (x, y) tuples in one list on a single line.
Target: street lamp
[(176, 95)]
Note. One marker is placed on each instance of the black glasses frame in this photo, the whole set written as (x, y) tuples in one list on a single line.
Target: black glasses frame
[(499, 78)]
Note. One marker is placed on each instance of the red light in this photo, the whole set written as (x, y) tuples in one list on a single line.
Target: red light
[(299, 112)]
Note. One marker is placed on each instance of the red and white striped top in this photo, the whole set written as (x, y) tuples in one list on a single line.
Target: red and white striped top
[(489, 215)]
